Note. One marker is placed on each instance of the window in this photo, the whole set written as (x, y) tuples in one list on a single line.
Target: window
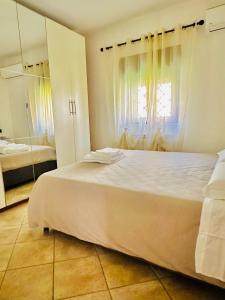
[(163, 104), (164, 100), (142, 102)]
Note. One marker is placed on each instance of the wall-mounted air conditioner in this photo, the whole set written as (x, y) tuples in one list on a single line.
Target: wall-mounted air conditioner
[(215, 18), (11, 71)]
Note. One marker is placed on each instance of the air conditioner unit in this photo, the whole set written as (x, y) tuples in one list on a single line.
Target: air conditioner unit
[(215, 18), (11, 71)]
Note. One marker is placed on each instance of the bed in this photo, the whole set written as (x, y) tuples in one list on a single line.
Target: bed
[(147, 205), (19, 168)]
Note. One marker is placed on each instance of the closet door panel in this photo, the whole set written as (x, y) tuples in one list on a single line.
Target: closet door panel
[(59, 62), (79, 94), (33, 41)]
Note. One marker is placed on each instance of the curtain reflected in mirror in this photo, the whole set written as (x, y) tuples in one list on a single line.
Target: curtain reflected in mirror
[(40, 103)]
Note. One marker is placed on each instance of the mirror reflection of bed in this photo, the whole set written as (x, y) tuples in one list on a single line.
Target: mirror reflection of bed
[(21, 169), (27, 147)]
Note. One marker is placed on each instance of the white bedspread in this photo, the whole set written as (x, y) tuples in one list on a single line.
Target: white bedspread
[(146, 205), (210, 249), (36, 154)]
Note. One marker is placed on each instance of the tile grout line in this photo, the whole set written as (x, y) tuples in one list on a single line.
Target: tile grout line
[(14, 245), (170, 297), (161, 282), (31, 266), (81, 295), (98, 255), (134, 283)]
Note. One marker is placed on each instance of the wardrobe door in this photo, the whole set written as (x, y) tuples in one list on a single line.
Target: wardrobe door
[(79, 94), (59, 53), (33, 40)]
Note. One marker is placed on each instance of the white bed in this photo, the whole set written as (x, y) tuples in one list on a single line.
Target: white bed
[(147, 205), (35, 155)]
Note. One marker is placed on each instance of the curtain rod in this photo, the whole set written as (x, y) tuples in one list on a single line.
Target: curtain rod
[(29, 66), (199, 23)]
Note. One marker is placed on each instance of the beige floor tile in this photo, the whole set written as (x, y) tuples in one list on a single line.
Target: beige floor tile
[(161, 272), (12, 216), (77, 277), (25, 218), (122, 270), (143, 291), (95, 296), (31, 253), (68, 247), (5, 253), (1, 277), (33, 283), (8, 235), (28, 234), (18, 193), (181, 288)]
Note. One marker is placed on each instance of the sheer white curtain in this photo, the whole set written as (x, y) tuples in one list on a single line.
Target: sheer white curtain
[(147, 89), (40, 100)]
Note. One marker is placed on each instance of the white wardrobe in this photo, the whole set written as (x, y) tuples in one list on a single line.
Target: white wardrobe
[(67, 61), (43, 97)]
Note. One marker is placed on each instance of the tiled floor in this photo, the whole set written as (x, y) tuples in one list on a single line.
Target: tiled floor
[(18, 193), (38, 266)]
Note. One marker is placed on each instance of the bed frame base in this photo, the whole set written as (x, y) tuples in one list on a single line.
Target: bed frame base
[(23, 175)]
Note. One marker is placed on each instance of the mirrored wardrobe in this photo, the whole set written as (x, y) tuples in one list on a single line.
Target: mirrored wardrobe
[(40, 115)]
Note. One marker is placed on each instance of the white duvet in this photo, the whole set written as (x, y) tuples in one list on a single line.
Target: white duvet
[(147, 205)]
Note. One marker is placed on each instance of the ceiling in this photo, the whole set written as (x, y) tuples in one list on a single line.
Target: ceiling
[(18, 38), (89, 15)]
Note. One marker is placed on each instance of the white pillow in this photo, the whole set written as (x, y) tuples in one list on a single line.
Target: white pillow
[(221, 155), (3, 142), (215, 189)]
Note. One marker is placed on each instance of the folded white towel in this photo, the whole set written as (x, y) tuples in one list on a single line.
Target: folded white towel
[(3, 142), (12, 148), (103, 157), (110, 151)]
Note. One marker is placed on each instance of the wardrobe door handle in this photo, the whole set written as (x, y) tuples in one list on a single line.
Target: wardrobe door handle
[(75, 109), (70, 107)]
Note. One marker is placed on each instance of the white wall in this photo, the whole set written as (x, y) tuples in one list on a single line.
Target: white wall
[(206, 111), (5, 110)]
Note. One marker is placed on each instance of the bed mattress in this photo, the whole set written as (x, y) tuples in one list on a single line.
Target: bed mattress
[(37, 154), (147, 205)]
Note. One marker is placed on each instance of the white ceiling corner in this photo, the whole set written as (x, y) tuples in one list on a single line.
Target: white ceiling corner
[(85, 16)]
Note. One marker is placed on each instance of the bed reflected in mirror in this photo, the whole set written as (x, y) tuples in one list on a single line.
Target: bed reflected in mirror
[(27, 147)]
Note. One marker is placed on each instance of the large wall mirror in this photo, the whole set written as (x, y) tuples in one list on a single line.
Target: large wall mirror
[(27, 147)]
